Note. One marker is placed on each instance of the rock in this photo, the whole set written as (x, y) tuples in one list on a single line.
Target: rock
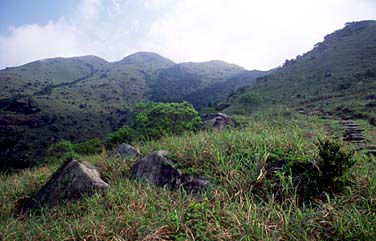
[(159, 171), (70, 182), (195, 185), (125, 150), (217, 121)]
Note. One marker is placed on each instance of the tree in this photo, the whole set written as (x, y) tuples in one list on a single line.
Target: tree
[(154, 120)]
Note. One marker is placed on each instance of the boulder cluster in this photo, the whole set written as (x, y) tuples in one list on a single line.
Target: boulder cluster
[(75, 179)]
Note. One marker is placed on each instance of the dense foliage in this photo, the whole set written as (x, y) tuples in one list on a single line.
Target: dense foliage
[(154, 120)]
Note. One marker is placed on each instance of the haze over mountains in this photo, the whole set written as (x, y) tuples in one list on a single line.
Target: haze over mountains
[(85, 97)]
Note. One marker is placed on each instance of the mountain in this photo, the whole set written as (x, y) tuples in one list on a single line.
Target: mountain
[(86, 97), (32, 78), (199, 83), (337, 77)]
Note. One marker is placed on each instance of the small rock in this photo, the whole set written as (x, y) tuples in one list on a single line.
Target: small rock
[(195, 185), (125, 150), (217, 121), (158, 170), (70, 182)]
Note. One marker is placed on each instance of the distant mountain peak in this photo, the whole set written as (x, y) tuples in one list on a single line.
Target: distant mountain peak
[(144, 57)]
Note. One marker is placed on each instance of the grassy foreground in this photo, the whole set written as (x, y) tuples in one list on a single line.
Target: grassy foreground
[(231, 211)]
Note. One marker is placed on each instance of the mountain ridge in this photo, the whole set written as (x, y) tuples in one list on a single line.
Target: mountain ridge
[(85, 97)]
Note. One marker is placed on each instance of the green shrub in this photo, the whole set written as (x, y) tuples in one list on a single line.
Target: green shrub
[(125, 134), (91, 146), (62, 150), (65, 149), (154, 120), (290, 176), (334, 161)]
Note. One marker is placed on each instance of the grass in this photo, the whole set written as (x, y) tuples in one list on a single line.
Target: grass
[(231, 211)]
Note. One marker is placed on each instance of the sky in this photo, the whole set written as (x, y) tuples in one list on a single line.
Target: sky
[(255, 34)]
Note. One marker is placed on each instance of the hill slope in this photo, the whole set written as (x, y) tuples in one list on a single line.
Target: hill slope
[(337, 77), (245, 202), (86, 97)]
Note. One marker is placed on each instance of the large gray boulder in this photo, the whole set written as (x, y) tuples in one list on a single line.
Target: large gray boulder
[(217, 121), (124, 150), (157, 170), (70, 182)]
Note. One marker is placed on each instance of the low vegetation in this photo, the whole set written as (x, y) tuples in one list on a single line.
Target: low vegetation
[(237, 208)]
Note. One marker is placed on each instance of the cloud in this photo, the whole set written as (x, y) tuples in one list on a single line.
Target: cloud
[(29, 42), (156, 3), (90, 30), (253, 34), (90, 9)]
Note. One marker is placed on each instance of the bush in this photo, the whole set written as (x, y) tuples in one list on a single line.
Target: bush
[(91, 146), (288, 176), (65, 149), (155, 120), (334, 161), (62, 150), (125, 134)]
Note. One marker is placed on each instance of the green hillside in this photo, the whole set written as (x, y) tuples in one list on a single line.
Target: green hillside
[(199, 83), (86, 97), (34, 77), (337, 77)]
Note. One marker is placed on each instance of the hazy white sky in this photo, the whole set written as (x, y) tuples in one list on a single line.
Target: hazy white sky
[(254, 34)]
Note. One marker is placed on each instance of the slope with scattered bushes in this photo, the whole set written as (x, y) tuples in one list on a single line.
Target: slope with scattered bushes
[(337, 77)]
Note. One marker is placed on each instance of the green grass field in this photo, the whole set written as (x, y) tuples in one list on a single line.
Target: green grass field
[(232, 159)]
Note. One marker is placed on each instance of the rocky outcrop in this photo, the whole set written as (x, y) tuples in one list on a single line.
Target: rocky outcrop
[(124, 150), (71, 181), (217, 121), (157, 170)]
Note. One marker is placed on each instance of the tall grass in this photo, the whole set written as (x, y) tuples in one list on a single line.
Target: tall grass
[(230, 211)]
